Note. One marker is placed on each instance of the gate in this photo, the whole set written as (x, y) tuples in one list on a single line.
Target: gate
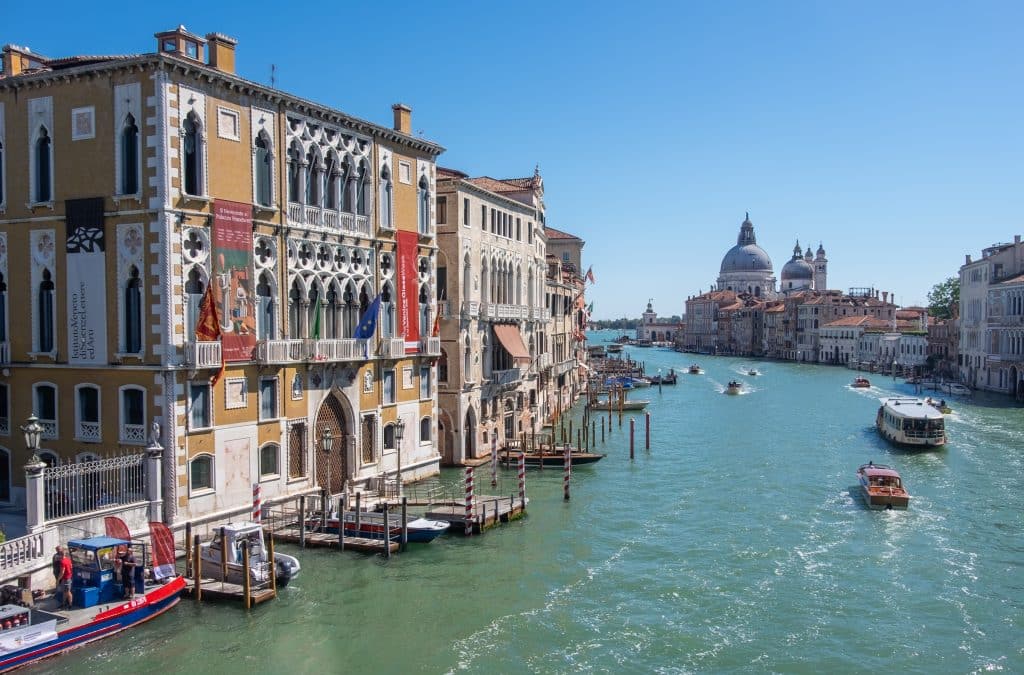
[(331, 463)]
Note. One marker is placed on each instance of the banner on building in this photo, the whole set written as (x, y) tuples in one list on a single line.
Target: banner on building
[(87, 290), (233, 287), (408, 291)]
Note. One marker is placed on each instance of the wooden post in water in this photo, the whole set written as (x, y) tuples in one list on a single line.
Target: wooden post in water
[(246, 580), (387, 532), (570, 431), (567, 471), (522, 479), (359, 530), (602, 432), (223, 555), (593, 435), (579, 440), (405, 522), (273, 563), (341, 522), (622, 396), (198, 558), (647, 430), (631, 428), (469, 501), (302, 521), (188, 549)]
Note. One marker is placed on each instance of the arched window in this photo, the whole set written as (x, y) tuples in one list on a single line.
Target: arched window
[(133, 415), (87, 413), (331, 314), (46, 316), (426, 326), (349, 310), (262, 164), (314, 316), (295, 296), (330, 182), (44, 166), (194, 289), (348, 186), (294, 172), (313, 169), (362, 188), (133, 313), (129, 157), (46, 408), (192, 157), (467, 361), (424, 205), (264, 308), (269, 459), (385, 197), (387, 312), (389, 436), (442, 367), (200, 472), (425, 430)]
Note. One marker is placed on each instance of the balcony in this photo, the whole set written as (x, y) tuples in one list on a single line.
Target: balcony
[(430, 346), (5, 352), (49, 428), (509, 311), (203, 354), (470, 309), (488, 310), (347, 223), (135, 434), (88, 432), (444, 307), (504, 378), (543, 361), (392, 348), (276, 352), (564, 367), (348, 349), (537, 313)]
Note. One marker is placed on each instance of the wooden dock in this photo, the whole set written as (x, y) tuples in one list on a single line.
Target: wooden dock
[(327, 540), (218, 590), (488, 511)]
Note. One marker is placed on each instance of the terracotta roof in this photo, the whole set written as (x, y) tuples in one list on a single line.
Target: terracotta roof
[(1014, 279), (444, 172), (776, 309), (552, 233), (856, 321), (496, 185)]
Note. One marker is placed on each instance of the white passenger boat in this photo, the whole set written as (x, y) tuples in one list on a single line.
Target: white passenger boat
[(911, 422), (955, 388)]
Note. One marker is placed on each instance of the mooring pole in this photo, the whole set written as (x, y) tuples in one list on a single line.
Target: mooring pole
[(188, 549), (341, 522), (631, 429), (567, 471), (198, 567), (469, 501), (405, 522), (246, 580), (387, 532), (302, 521), (647, 430)]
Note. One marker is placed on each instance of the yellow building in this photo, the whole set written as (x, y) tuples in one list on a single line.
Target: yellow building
[(134, 187)]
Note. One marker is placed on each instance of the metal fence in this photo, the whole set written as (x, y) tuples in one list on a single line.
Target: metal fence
[(73, 489)]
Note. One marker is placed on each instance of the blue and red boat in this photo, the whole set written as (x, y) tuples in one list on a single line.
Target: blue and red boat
[(30, 634)]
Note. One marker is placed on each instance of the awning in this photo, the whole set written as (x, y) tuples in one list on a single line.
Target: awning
[(512, 341)]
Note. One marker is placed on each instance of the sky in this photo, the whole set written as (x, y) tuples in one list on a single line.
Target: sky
[(889, 132)]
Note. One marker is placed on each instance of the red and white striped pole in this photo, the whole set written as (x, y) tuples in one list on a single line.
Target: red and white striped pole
[(469, 501), (257, 505), (567, 471), (522, 478), (494, 458)]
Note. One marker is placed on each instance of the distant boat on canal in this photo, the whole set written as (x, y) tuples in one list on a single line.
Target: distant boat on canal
[(882, 487), (546, 457), (911, 422), (733, 388)]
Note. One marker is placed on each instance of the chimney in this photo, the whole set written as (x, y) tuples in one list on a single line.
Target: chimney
[(967, 259), (16, 60), (1016, 239), (885, 296), (221, 51), (403, 118)]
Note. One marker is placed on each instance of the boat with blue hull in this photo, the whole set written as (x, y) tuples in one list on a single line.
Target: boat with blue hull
[(30, 634)]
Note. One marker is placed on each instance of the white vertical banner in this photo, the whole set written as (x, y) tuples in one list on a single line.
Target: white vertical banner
[(86, 282)]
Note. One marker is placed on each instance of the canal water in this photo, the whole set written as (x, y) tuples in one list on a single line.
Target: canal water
[(737, 543)]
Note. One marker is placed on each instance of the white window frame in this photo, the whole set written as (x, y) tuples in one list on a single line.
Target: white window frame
[(277, 398), (430, 430), (408, 377), (78, 412), (425, 381), (122, 416), (56, 408), (384, 388), (404, 172), (276, 474), (209, 407), (236, 405), (229, 113), (212, 488)]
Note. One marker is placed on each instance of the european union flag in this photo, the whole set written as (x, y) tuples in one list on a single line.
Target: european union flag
[(368, 323)]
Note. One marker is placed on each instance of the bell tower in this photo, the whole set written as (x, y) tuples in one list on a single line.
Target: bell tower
[(820, 269)]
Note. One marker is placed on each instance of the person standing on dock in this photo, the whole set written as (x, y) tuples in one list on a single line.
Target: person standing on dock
[(64, 581)]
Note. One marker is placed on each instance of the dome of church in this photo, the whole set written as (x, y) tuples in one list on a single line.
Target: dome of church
[(797, 267), (746, 255)]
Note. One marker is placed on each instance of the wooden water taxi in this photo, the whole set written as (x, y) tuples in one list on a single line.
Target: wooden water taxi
[(733, 388), (882, 487), (911, 422), (98, 610), (694, 369), (550, 457), (860, 383), (753, 373)]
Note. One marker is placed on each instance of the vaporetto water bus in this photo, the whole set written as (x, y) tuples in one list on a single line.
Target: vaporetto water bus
[(911, 422)]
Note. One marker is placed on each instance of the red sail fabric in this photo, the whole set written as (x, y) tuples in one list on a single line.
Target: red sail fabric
[(408, 290), (163, 550), (116, 528)]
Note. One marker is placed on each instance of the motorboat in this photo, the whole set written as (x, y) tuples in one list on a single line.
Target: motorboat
[(694, 369), (733, 388), (882, 487), (860, 383), (550, 457), (911, 422), (753, 373), (613, 405), (370, 525), (236, 537), (939, 405), (99, 610), (955, 388), (671, 378)]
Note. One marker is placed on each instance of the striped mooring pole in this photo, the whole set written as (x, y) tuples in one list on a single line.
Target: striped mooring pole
[(257, 504), (469, 501), (567, 466), (494, 458)]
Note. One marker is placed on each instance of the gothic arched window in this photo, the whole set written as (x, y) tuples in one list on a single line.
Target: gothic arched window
[(129, 157)]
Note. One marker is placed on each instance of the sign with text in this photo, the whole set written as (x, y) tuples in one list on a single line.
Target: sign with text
[(408, 290), (233, 286), (86, 290)]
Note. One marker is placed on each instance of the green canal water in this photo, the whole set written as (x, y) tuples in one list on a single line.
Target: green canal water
[(735, 544)]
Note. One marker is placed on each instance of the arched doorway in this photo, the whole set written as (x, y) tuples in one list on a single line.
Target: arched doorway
[(5, 475), (1014, 383), (469, 435), (332, 464), (445, 442)]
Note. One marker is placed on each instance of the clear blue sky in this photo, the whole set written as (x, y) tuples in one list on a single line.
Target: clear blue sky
[(892, 132)]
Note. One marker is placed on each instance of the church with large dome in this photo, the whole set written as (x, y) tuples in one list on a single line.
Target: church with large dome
[(747, 268)]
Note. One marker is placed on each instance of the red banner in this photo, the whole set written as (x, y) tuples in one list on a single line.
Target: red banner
[(116, 528), (233, 287), (163, 550), (408, 291)]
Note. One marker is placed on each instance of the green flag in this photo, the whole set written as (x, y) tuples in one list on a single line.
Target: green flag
[(315, 333)]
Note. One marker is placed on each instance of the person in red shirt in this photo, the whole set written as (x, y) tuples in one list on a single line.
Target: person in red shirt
[(64, 582)]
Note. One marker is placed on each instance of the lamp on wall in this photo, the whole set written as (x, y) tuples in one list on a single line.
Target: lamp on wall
[(33, 431), (399, 433), (327, 440)]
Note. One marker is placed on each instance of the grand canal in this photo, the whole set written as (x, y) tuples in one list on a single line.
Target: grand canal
[(735, 544)]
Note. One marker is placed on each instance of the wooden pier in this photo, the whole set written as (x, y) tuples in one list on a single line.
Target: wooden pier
[(292, 535), (488, 511), (211, 589)]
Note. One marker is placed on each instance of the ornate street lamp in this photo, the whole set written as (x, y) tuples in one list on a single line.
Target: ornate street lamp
[(33, 431), (327, 440), (399, 433)]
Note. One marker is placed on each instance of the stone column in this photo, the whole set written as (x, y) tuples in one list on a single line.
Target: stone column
[(154, 461), (35, 498)]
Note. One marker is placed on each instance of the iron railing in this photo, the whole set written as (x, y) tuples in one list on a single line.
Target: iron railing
[(73, 489)]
